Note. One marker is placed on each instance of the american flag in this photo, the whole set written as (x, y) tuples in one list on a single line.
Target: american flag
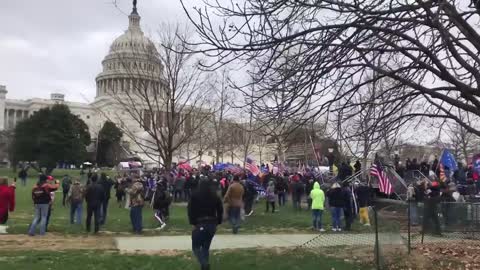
[(384, 184), (443, 176), (252, 166)]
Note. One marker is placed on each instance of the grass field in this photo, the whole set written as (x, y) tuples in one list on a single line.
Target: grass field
[(285, 221), (231, 260)]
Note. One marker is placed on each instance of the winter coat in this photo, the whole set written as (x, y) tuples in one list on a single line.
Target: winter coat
[(318, 197), (234, 195), (364, 195), (107, 184), (336, 197), (94, 195), (7, 199), (297, 190), (136, 194), (205, 207)]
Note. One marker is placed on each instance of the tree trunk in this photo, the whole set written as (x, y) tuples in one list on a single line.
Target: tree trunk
[(168, 162)]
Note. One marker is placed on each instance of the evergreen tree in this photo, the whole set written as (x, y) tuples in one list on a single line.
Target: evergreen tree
[(50, 136)]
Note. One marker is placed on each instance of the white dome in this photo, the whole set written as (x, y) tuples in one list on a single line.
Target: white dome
[(132, 61), (133, 40)]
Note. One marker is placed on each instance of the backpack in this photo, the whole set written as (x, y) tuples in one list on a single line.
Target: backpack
[(40, 195), (77, 194)]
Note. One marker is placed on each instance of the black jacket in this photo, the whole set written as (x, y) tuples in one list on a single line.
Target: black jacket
[(336, 197), (205, 207), (107, 187), (95, 195), (364, 195)]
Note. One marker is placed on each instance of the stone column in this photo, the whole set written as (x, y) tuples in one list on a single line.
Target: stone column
[(14, 118), (3, 97)]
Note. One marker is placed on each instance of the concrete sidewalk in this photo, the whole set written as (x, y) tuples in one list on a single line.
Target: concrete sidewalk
[(159, 243)]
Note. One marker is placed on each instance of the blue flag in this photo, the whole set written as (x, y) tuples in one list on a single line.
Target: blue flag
[(447, 159)]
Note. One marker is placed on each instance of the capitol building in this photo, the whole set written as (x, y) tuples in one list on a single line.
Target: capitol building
[(132, 62), (131, 65)]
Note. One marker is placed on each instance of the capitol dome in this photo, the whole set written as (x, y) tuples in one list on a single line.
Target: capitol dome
[(132, 63)]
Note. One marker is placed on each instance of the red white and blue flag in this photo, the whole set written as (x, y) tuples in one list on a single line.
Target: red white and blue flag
[(383, 182), (252, 166)]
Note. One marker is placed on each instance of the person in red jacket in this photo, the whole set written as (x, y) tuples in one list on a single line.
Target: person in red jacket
[(7, 199)]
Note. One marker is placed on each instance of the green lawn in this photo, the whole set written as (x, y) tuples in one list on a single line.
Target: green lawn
[(285, 221), (231, 260)]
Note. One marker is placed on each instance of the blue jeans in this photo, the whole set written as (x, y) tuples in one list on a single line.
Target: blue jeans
[(336, 217), (76, 210), (317, 218), (281, 198), (202, 237), (24, 181), (41, 212), (234, 218), (136, 218)]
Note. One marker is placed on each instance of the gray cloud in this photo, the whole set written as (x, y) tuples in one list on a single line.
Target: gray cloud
[(58, 45)]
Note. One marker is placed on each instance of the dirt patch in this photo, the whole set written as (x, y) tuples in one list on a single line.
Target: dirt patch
[(55, 242), (162, 253)]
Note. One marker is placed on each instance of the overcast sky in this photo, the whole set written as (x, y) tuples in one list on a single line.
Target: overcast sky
[(58, 45)]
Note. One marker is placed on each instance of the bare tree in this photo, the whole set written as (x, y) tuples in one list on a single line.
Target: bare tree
[(461, 140), (335, 45), (368, 125), (165, 106)]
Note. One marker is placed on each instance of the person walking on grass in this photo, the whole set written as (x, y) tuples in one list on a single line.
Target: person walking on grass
[(94, 196), (41, 199), (66, 184), (205, 212), (270, 197), (7, 202), (318, 204), (137, 201), (107, 184), (161, 202), (23, 176), (234, 200), (336, 200), (75, 198)]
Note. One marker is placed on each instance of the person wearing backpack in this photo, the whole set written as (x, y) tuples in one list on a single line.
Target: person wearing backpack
[(75, 198), (66, 184), (161, 202), (41, 200), (94, 196)]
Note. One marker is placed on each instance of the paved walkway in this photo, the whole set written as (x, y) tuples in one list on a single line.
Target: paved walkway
[(159, 243)]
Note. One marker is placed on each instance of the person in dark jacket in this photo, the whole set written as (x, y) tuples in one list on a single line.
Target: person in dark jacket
[(336, 201), (344, 171), (161, 202), (107, 184), (349, 211), (460, 175), (297, 192), (23, 176), (364, 195), (424, 168), (94, 196), (430, 216), (249, 196), (281, 190), (66, 184), (205, 212)]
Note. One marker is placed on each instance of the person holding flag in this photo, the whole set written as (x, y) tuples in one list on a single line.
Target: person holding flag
[(447, 164)]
